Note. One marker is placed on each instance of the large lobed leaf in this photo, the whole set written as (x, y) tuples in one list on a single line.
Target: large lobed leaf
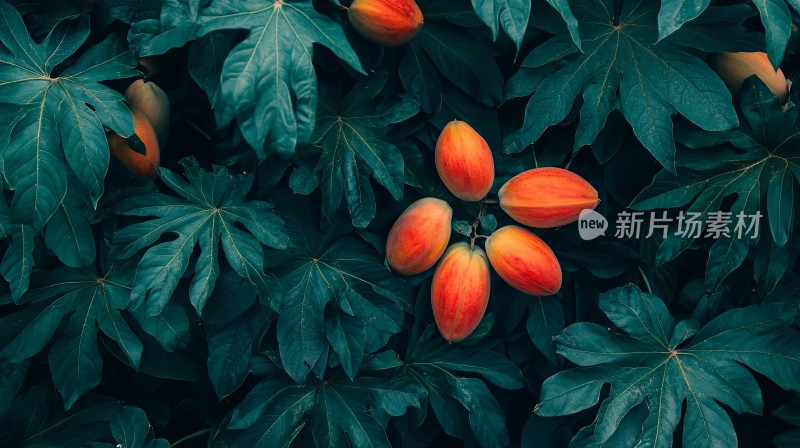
[(267, 83), (621, 65), (354, 148), (64, 111), (761, 175), (336, 292), (87, 301), (663, 364), (464, 406), (344, 412), (213, 207)]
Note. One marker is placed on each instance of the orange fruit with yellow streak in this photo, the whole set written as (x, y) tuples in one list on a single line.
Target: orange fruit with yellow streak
[(547, 197), (524, 261), (386, 22), (460, 291), (419, 236), (464, 161)]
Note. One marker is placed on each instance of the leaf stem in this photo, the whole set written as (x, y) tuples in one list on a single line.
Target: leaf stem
[(191, 436), (474, 229), (644, 279)]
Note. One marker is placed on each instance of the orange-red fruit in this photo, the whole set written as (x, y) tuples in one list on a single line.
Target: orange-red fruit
[(419, 236), (386, 22), (150, 100), (734, 68), (524, 261), (143, 165), (546, 197), (464, 161), (460, 291)]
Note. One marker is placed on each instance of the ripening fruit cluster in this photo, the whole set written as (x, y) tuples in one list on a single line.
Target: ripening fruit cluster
[(151, 120), (539, 198)]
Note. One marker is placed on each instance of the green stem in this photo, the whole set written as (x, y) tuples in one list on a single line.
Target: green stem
[(644, 278), (191, 436), (474, 229)]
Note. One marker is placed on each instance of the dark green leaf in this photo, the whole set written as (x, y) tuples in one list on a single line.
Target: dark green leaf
[(214, 204), (64, 112), (624, 58), (643, 364)]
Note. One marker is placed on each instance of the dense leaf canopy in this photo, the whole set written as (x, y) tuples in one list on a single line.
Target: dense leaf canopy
[(243, 296)]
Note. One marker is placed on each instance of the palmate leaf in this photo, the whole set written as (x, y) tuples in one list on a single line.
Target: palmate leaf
[(64, 112), (268, 83), (662, 364), (336, 292), (74, 303), (213, 207), (351, 135), (763, 171), (464, 406), (620, 59), (343, 412)]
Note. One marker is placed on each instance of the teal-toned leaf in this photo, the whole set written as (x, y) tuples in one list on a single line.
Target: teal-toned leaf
[(230, 349), (87, 301), (623, 56), (351, 134), (674, 13), (332, 269), (463, 60), (763, 172), (780, 203), (347, 335), (642, 365), (17, 263), (269, 85), (344, 412), (131, 429), (214, 203), (12, 375), (420, 78), (512, 15), (790, 413), (68, 232), (64, 112), (38, 420), (545, 322), (777, 21), (465, 407)]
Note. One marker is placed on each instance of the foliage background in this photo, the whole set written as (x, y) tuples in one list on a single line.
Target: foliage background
[(242, 299)]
